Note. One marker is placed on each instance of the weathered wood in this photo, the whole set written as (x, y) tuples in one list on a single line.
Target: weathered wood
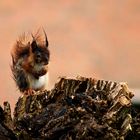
[(81, 108), (76, 109), (5, 123)]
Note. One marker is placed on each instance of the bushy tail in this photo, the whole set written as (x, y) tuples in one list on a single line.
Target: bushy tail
[(19, 76)]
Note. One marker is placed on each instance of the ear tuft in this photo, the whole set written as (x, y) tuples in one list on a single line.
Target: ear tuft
[(46, 39)]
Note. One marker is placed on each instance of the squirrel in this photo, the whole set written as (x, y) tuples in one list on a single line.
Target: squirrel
[(30, 59)]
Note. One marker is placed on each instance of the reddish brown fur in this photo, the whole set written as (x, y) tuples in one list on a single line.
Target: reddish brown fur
[(28, 61), (22, 48), (22, 45)]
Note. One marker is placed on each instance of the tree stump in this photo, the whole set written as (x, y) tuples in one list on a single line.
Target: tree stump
[(76, 109)]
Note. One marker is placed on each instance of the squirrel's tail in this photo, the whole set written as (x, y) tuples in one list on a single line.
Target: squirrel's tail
[(19, 76)]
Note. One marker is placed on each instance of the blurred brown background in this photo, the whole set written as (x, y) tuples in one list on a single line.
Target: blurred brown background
[(93, 38)]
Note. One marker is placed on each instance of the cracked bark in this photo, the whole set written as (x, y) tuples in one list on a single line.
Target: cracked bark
[(81, 108)]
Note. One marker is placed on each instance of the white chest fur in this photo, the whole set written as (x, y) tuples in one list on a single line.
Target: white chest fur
[(38, 83)]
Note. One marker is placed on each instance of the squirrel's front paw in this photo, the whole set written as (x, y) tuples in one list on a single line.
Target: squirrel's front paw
[(42, 72), (37, 74)]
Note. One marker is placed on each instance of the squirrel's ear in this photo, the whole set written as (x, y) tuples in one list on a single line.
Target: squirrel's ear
[(46, 39), (34, 46)]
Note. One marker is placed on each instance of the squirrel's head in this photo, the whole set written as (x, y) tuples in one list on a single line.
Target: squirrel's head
[(40, 51)]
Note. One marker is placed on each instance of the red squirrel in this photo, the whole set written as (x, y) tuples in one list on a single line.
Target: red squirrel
[(30, 59)]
